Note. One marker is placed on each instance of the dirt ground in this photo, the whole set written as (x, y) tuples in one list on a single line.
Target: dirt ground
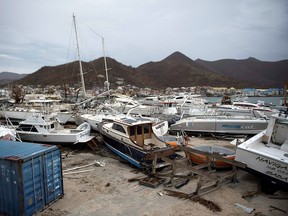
[(105, 190)]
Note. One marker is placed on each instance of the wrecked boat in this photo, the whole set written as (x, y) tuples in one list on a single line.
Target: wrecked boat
[(266, 153), (133, 139)]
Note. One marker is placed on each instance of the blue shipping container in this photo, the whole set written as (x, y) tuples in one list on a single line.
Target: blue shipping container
[(30, 177)]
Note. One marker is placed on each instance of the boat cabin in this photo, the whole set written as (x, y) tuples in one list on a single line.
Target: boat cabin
[(139, 131), (277, 131)]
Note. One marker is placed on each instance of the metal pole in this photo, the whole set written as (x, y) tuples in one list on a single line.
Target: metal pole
[(80, 64), (105, 63)]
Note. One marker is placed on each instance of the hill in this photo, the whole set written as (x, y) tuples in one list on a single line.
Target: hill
[(8, 77), (259, 73), (176, 70)]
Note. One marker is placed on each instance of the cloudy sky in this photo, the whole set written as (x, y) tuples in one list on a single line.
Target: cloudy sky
[(36, 33)]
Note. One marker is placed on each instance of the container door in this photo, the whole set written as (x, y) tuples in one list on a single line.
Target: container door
[(10, 188), (53, 176), (33, 189)]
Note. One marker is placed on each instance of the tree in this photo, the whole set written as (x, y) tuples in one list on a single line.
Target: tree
[(17, 94)]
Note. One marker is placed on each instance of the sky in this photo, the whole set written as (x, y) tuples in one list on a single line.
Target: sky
[(37, 33)]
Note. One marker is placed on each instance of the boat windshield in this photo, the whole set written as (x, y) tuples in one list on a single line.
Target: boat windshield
[(118, 128)]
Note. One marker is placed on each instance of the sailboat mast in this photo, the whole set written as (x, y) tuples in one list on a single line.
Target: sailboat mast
[(80, 64), (105, 63)]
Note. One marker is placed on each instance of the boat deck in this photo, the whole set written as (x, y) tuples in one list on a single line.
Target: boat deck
[(269, 150)]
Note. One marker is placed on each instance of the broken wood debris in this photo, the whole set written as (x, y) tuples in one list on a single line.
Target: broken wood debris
[(70, 171), (276, 208), (81, 171), (151, 181), (249, 194), (279, 197), (215, 207)]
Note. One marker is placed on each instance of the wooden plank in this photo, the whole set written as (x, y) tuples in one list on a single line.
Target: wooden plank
[(160, 153)]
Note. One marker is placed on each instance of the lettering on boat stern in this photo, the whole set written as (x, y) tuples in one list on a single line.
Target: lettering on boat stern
[(237, 126), (274, 168)]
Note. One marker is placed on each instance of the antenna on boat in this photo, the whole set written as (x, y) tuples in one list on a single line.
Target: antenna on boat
[(80, 64)]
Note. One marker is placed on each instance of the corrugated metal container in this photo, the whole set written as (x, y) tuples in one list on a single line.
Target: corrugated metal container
[(30, 177)]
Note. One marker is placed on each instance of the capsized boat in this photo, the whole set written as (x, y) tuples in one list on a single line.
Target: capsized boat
[(221, 124), (48, 129), (133, 139), (267, 152)]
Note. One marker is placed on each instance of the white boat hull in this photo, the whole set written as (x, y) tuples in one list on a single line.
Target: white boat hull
[(267, 152), (223, 126)]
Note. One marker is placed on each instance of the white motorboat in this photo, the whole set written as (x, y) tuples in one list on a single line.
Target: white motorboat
[(97, 116), (48, 129), (267, 152), (46, 106), (250, 106), (221, 124)]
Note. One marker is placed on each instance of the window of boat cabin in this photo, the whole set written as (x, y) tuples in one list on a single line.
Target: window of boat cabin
[(29, 128), (118, 128)]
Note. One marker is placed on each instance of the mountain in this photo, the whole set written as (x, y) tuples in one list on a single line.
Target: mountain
[(259, 73), (8, 77), (94, 74), (176, 70)]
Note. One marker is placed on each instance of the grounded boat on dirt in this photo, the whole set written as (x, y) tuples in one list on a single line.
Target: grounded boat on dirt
[(222, 151), (48, 129), (220, 124), (267, 152), (133, 139)]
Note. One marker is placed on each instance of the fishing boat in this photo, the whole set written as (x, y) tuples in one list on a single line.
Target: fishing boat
[(220, 124), (49, 129), (266, 153), (133, 139)]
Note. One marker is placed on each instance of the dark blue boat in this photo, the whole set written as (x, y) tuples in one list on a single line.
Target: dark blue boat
[(133, 140)]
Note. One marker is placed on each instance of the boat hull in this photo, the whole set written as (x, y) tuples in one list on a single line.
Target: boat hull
[(128, 153), (216, 163), (272, 164), (67, 136), (137, 157), (220, 126)]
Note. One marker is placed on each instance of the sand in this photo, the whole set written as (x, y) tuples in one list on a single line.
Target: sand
[(105, 190)]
